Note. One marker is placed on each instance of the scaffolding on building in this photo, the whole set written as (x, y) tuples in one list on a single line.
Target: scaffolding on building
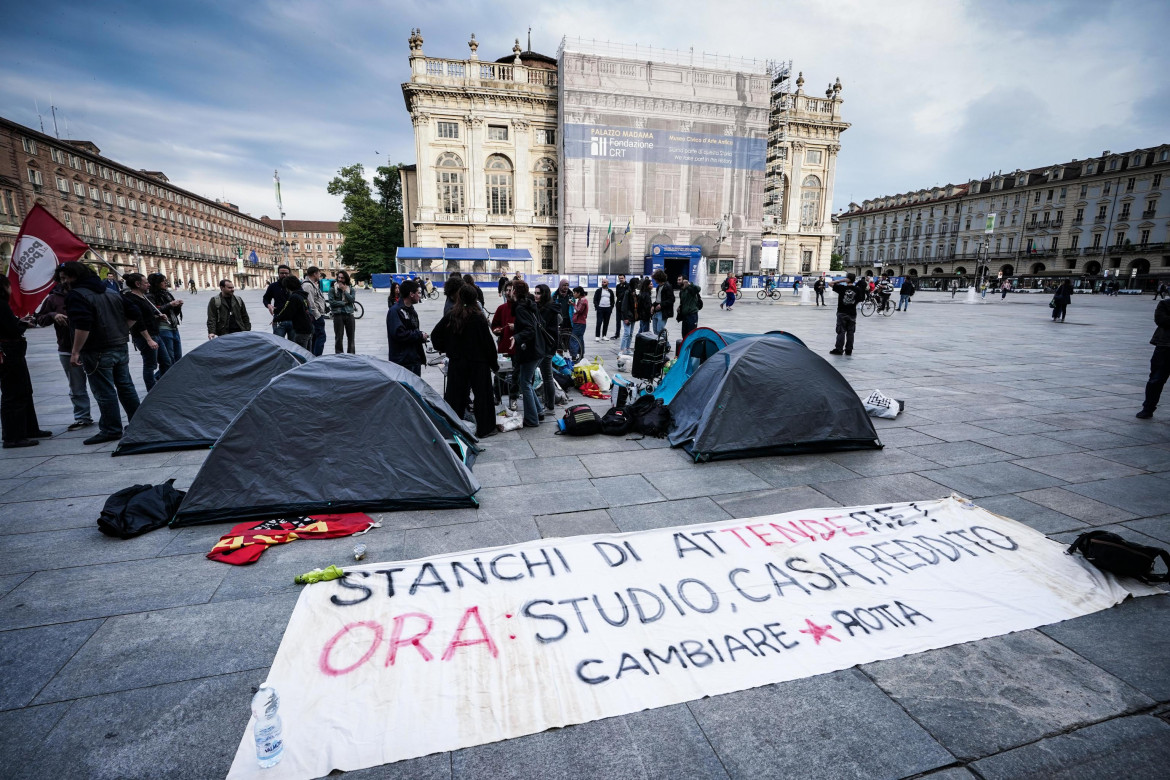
[(642, 53), (779, 85)]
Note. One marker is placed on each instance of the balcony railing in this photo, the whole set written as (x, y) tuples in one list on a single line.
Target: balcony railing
[(1149, 213)]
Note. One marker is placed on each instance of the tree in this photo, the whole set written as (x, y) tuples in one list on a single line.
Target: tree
[(835, 263), (371, 226)]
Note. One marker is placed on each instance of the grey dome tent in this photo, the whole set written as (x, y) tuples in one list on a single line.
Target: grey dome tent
[(764, 395), (196, 399), (343, 433)]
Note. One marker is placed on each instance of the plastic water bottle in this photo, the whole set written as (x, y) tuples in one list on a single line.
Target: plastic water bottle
[(269, 742)]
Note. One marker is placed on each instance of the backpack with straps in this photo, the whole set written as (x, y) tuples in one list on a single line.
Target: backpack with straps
[(1112, 553), (580, 420), (615, 422)]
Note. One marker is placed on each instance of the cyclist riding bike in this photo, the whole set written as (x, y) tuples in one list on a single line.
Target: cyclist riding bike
[(885, 289)]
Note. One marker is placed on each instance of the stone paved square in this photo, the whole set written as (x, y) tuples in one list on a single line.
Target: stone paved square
[(119, 657)]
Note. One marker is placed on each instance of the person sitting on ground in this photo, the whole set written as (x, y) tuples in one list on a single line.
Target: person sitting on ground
[(463, 336)]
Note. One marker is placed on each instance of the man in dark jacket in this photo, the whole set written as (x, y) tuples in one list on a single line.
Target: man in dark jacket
[(904, 295), (1160, 362), (619, 293), (689, 303), (564, 300), (402, 331), (52, 312), (849, 294), (819, 289), (100, 335), (663, 302), (275, 298), (226, 313)]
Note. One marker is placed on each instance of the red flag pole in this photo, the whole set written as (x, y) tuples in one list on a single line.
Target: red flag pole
[(42, 244)]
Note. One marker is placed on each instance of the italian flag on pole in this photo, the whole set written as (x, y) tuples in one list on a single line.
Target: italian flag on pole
[(608, 235)]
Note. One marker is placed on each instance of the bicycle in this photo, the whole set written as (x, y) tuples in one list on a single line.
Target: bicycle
[(873, 303), (769, 292), (567, 342), (433, 292), (358, 310)]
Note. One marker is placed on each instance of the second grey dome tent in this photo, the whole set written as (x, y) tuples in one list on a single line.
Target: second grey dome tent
[(195, 400), (766, 396), (343, 433)]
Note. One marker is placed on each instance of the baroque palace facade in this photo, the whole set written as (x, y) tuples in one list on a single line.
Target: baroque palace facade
[(1095, 218), (589, 159), (138, 220)]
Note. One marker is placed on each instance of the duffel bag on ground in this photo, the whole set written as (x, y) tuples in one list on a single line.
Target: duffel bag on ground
[(1112, 553), (139, 508), (649, 416), (580, 420)]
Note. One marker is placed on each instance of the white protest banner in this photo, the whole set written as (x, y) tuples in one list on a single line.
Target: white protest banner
[(399, 660)]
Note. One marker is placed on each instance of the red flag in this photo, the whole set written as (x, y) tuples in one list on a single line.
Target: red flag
[(42, 244)]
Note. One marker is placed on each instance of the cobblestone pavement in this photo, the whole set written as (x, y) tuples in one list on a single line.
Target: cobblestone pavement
[(128, 659)]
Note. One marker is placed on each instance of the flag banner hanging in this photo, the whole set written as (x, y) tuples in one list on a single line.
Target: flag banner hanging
[(399, 660), (42, 244)]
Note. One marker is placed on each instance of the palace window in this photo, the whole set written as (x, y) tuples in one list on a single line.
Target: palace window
[(448, 129), (545, 136), (546, 257), (814, 156), (810, 201), (497, 132), (29, 144), (449, 175), (63, 185), (34, 177), (499, 185), (545, 188)]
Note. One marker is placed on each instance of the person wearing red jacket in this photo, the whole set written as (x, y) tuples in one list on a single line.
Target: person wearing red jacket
[(504, 328)]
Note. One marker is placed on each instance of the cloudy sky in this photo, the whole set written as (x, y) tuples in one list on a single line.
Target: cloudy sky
[(217, 94)]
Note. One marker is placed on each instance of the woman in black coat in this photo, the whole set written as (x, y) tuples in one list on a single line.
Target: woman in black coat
[(644, 305), (464, 336), (549, 317), (1061, 300), (18, 418)]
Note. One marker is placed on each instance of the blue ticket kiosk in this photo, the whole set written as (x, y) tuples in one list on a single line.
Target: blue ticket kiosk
[(677, 260)]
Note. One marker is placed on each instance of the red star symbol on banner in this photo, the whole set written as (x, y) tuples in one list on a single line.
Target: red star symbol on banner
[(817, 632)]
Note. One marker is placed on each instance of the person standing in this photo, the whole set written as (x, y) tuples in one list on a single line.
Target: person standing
[(645, 305), (564, 299), (341, 299), (226, 313), (18, 417), (52, 312), (627, 315), (296, 312), (603, 304), (1162, 291), (501, 285), (819, 289), (463, 336), (619, 295), (663, 310), (548, 320), (144, 331), (580, 320), (402, 331), (172, 310), (689, 303), (885, 289), (1061, 300), (469, 280), (317, 307), (275, 296), (1005, 288), (191, 286), (905, 294), (1159, 361), (796, 287), (729, 287), (112, 282), (530, 347), (504, 327), (848, 295), (100, 334)]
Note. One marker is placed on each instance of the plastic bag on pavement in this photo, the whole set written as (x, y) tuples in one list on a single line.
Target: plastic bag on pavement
[(878, 404)]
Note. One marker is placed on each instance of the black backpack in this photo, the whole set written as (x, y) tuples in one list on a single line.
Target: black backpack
[(615, 422), (649, 416), (139, 508), (580, 420), (1112, 553)]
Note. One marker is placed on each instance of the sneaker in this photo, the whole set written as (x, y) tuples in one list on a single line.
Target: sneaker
[(102, 438), (1142, 415), (20, 443), (836, 352), (77, 426)]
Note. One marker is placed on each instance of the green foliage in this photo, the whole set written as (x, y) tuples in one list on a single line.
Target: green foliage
[(372, 223), (835, 262)]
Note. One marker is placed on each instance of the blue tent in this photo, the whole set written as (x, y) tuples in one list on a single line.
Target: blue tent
[(701, 344)]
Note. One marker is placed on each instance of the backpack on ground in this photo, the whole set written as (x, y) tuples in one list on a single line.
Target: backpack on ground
[(648, 416), (139, 508), (615, 423), (1112, 553), (580, 420)]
